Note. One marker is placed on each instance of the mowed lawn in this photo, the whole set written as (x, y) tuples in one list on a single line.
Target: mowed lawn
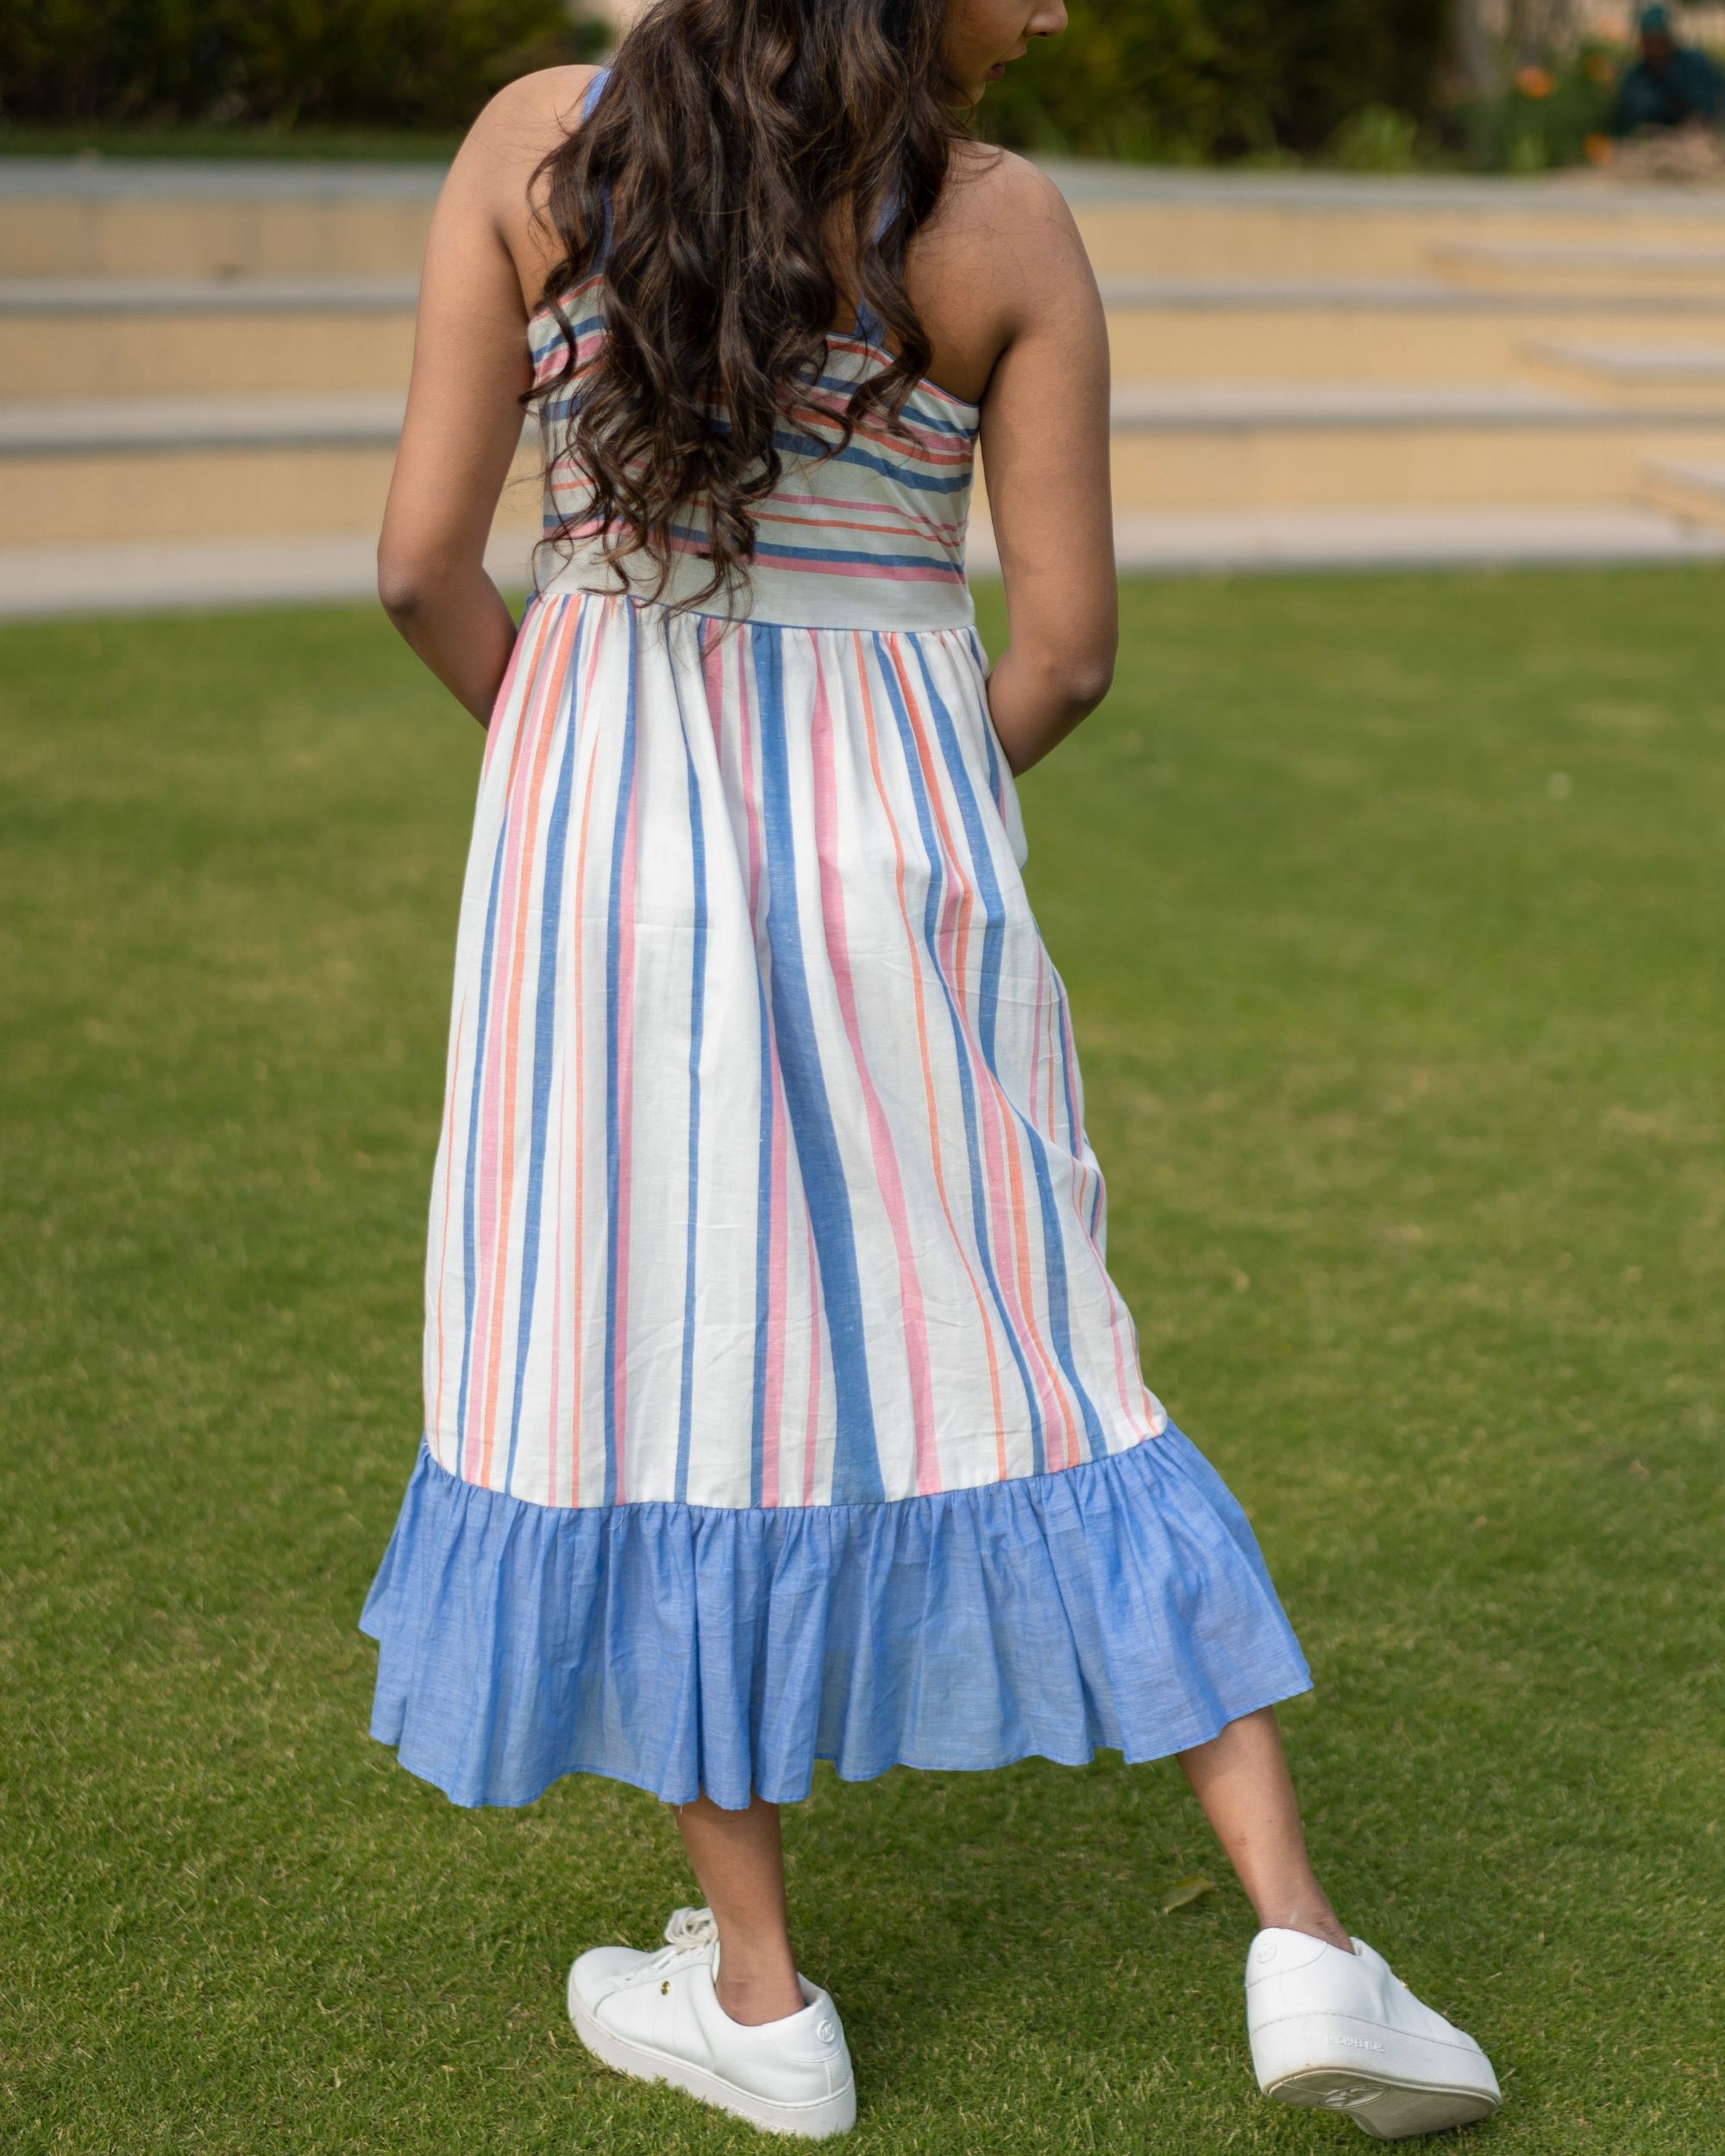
[(1391, 913)]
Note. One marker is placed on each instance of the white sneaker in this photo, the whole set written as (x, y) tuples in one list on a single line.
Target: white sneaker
[(657, 2016), (1340, 2032)]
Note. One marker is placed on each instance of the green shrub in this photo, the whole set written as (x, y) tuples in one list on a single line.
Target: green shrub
[(1376, 139), (1197, 80), (1543, 118), (400, 63)]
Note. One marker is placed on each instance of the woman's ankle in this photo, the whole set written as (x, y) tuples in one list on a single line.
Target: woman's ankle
[(753, 1993), (1314, 1917)]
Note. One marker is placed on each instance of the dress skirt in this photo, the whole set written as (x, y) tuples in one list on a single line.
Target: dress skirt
[(779, 1404)]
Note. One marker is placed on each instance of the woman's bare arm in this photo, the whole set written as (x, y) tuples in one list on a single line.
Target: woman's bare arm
[(463, 424), (1045, 459)]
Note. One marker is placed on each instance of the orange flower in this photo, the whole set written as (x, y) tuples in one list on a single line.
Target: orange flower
[(1599, 149), (1534, 82)]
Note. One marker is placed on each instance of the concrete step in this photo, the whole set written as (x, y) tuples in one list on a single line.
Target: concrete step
[(73, 337), (339, 333), (1693, 494), (1666, 375), (1312, 445), (186, 467), (1527, 534), (115, 217), (143, 217), (1417, 329), (133, 576), (128, 576), (1695, 268), (189, 468)]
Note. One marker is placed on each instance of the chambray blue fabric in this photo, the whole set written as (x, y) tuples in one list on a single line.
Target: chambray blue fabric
[(695, 1650)]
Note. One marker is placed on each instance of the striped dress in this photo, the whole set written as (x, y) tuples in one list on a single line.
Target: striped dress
[(779, 1404)]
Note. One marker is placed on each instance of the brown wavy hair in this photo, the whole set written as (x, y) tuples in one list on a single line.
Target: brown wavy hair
[(735, 144)]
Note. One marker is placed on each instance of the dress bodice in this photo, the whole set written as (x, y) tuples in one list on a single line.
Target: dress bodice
[(871, 536)]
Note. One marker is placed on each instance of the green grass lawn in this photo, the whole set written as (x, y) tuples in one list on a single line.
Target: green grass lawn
[(1390, 910)]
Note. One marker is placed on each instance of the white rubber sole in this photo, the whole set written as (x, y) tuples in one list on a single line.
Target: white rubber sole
[(816, 2122), (1388, 2110), (1391, 2085)]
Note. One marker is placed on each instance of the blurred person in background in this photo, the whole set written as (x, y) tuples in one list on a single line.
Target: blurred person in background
[(1668, 84)]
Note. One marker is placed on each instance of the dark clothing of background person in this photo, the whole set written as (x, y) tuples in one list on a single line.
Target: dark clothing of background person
[(1670, 86)]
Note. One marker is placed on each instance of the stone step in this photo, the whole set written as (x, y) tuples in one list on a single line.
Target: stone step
[(1695, 268), (196, 466), (1681, 375), (120, 217), (1331, 445), (62, 336), (1413, 329), (354, 332), (193, 466), (1691, 493), (132, 576), (317, 335)]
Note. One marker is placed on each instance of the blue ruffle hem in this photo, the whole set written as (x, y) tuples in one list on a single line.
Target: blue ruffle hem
[(695, 1650)]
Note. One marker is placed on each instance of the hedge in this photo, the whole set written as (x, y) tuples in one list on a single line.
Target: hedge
[(1198, 79), (1202, 80), (388, 63)]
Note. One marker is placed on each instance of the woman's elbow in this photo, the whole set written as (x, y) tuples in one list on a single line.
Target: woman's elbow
[(1080, 676), (411, 579), (400, 586)]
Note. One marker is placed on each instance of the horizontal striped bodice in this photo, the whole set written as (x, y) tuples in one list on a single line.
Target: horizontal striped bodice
[(872, 536)]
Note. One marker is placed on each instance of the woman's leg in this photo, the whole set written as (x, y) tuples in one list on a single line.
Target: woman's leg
[(737, 1859), (1241, 1779)]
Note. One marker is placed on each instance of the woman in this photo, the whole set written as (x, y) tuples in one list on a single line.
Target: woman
[(779, 1404)]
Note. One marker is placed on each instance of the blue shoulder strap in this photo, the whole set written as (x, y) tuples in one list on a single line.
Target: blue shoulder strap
[(594, 87), (869, 323)]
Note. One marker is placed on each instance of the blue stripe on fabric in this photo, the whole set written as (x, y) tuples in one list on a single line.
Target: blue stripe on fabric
[(544, 1007), (982, 868), (934, 423), (856, 1465), (995, 786), (697, 1000), (936, 557), (625, 788), (763, 1189), (807, 445), (979, 1210), (469, 1255)]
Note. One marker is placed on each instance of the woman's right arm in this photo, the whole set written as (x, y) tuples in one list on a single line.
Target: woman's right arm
[(1044, 441)]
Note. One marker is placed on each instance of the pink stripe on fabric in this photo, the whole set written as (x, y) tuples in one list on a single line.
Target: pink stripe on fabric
[(578, 994), (887, 1175), (494, 1063), (1002, 1140), (812, 1421), (437, 1418), (554, 1190), (778, 1217), (917, 953), (623, 929), (522, 832)]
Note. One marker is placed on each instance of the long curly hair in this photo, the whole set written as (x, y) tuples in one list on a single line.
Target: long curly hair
[(737, 145)]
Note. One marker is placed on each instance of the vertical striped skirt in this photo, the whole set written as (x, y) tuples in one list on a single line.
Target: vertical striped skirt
[(779, 1404)]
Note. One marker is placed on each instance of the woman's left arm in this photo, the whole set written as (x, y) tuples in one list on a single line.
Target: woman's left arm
[(462, 425)]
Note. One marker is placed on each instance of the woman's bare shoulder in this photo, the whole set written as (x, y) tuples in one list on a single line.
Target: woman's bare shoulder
[(519, 125), (1003, 212), (1000, 248)]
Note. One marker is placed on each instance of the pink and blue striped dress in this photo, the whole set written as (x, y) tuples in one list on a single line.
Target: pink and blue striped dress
[(779, 1404)]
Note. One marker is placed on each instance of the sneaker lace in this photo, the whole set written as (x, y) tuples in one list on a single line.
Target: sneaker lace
[(690, 1933)]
